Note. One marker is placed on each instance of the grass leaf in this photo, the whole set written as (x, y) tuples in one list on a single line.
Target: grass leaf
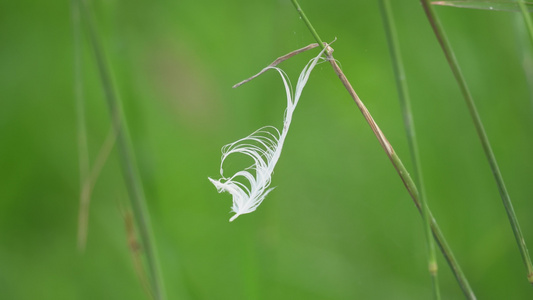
[(486, 5)]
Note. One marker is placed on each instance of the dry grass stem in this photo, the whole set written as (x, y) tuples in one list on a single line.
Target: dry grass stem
[(88, 185), (278, 61), (136, 251)]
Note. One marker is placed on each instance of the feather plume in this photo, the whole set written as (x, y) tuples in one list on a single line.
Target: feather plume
[(264, 147)]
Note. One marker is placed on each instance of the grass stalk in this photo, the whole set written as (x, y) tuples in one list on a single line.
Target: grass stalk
[(454, 65), (83, 151), (397, 163), (405, 103), (308, 24), (129, 169)]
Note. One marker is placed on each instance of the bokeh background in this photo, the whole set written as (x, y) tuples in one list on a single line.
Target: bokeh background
[(339, 225)]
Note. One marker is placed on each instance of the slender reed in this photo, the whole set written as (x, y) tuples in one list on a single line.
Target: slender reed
[(397, 163), (405, 103), (129, 169), (454, 65), (83, 152)]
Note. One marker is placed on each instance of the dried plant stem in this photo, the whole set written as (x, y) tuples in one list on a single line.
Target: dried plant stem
[(129, 169), (87, 187), (454, 65), (277, 62), (135, 250), (397, 163), (405, 103)]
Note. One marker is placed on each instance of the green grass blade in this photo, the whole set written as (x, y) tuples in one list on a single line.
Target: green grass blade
[(454, 65), (519, 5), (405, 103), (487, 5), (129, 169), (308, 24), (398, 165), (83, 151)]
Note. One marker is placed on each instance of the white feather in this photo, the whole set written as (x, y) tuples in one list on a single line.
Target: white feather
[(264, 147)]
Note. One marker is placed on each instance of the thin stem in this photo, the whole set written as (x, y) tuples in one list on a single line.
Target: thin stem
[(454, 65), (277, 62), (398, 165), (405, 103), (129, 170), (308, 24), (83, 152)]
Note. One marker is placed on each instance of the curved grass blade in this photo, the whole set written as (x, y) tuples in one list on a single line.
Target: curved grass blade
[(486, 5), (515, 6)]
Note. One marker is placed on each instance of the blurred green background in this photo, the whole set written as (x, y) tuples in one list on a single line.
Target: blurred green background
[(339, 225)]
